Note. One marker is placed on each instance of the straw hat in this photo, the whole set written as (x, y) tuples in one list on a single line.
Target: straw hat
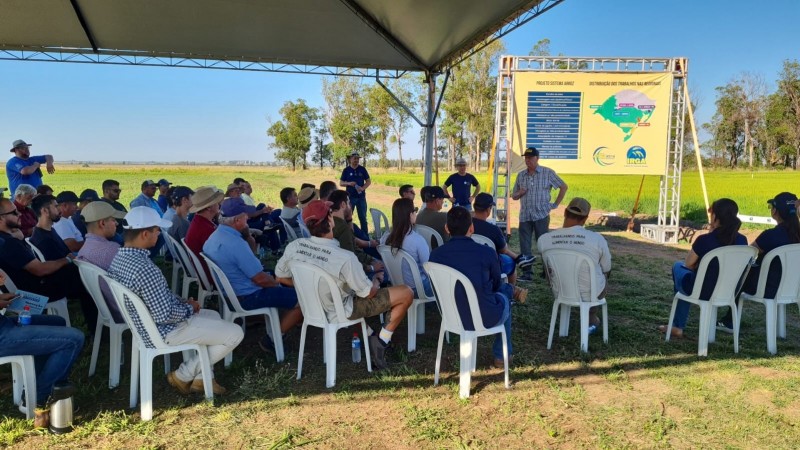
[(204, 197)]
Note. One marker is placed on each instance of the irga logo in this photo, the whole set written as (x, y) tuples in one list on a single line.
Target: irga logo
[(636, 156), (603, 157)]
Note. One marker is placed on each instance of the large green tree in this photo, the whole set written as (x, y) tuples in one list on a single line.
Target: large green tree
[(292, 133), (347, 116)]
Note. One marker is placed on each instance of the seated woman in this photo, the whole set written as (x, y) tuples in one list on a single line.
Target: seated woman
[(403, 236), (787, 231), (724, 226)]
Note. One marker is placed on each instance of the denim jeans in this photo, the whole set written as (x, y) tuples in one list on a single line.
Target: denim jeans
[(505, 319), (531, 229), (55, 348), (681, 278), (360, 204)]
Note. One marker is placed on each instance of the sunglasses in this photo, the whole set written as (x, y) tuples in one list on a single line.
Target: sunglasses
[(13, 211)]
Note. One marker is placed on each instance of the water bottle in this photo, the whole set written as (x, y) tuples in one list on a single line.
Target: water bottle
[(25, 316), (592, 329), (356, 348), (261, 252)]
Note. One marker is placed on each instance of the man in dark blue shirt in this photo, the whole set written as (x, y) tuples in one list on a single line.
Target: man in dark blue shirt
[(462, 183), (483, 210), (355, 179), (480, 264)]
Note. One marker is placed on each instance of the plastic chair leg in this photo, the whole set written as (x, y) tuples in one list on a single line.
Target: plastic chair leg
[(275, 332), (584, 328), (302, 350), (552, 325), (135, 356), (712, 322), (782, 320), (412, 316), (465, 366), (671, 319), (736, 324), (505, 356), (207, 372), (420, 317), (605, 323), (438, 357), (474, 353), (98, 334), (772, 319), (366, 345), (330, 367), (146, 387), (564, 321), (29, 375), (115, 344), (705, 321)]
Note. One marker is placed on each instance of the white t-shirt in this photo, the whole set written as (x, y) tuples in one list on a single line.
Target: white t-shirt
[(585, 241), (341, 264), (66, 229)]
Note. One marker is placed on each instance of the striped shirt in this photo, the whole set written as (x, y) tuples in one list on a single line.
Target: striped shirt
[(133, 269), (535, 204)]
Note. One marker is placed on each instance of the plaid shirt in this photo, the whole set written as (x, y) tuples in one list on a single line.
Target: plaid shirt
[(535, 204), (133, 268)]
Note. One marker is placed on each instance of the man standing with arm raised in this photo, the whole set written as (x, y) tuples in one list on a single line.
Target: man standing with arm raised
[(23, 168)]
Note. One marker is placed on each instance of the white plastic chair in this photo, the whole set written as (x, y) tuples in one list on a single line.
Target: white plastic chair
[(444, 280), (483, 240), (380, 222), (309, 281), (177, 267), (563, 269), (416, 313), (734, 263), (788, 292), (125, 299), (56, 308), (233, 310), (204, 287), (429, 234), (24, 378), (189, 274), (90, 274), (290, 233)]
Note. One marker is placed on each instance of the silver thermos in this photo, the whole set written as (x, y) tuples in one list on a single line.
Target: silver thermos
[(61, 408)]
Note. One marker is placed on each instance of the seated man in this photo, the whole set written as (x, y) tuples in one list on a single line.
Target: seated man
[(343, 232), (307, 194), (180, 199), (23, 197), (407, 191), (254, 288), (55, 279), (432, 216), (86, 197), (163, 187), (360, 296), (65, 227), (234, 205), (149, 188), (178, 321), (205, 205), (574, 236), (480, 264), (99, 248), (55, 348), (483, 205), (290, 212), (326, 188)]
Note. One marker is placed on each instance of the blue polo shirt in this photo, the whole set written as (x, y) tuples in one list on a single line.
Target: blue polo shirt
[(462, 185), (162, 202), (479, 263), (491, 231), (231, 253), (359, 175), (15, 178)]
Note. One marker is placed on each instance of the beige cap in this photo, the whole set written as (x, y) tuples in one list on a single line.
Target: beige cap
[(579, 206), (100, 210)]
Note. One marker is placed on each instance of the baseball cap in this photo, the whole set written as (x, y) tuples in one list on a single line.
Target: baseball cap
[(19, 143), (433, 193), (144, 217), (579, 206), (354, 153), (89, 194), (316, 210), (461, 162), (67, 196), (163, 182), (784, 204), (531, 151), (100, 210), (146, 183), (483, 201)]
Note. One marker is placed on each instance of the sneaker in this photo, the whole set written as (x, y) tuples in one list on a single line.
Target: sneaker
[(267, 344), (525, 261), (184, 387), (197, 386), (525, 276), (722, 326), (377, 350), (520, 294)]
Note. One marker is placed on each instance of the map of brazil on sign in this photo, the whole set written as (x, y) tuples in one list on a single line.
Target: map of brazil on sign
[(627, 110)]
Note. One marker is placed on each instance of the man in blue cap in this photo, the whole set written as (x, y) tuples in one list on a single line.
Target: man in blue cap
[(163, 187)]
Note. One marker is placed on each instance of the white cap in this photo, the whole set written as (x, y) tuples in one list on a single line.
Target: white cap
[(144, 217)]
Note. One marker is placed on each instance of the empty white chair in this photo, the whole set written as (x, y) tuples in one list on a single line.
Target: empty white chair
[(311, 282), (416, 313), (233, 310), (563, 269), (444, 280), (290, 232), (125, 299), (483, 240), (380, 222), (176, 265), (56, 308), (189, 274), (788, 292), (429, 234), (734, 263), (23, 373), (204, 287)]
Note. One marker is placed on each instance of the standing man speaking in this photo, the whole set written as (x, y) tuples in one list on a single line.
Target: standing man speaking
[(533, 188), (356, 179), (24, 168)]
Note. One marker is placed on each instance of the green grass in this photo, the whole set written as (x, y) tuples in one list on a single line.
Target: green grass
[(635, 392)]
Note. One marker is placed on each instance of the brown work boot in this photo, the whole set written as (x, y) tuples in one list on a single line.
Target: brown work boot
[(197, 386), (41, 418), (520, 294), (181, 386)]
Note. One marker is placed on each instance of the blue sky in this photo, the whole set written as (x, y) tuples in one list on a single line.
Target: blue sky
[(91, 111)]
